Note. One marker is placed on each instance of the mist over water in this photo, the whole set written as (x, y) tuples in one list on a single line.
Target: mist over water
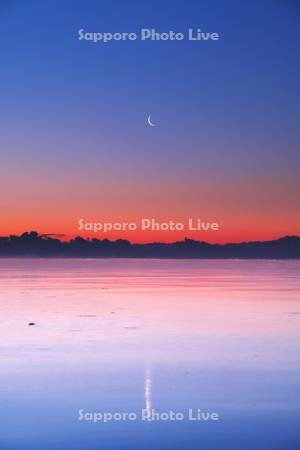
[(127, 335)]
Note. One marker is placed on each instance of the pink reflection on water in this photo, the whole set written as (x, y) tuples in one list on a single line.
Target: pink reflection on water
[(201, 312)]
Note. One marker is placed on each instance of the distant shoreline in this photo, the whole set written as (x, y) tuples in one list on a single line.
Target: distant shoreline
[(33, 245)]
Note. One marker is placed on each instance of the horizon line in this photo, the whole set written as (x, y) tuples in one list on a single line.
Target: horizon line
[(56, 236)]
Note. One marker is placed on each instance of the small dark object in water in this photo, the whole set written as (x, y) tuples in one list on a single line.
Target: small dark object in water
[(31, 324)]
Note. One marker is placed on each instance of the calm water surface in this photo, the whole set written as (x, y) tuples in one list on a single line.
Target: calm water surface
[(127, 335)]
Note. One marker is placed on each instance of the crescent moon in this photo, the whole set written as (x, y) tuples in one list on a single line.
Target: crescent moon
[(150, 122)]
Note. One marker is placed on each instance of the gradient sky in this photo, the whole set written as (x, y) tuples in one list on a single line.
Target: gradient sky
[(73, 135)]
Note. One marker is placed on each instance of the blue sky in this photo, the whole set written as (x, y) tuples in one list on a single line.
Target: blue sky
[(226, 109)]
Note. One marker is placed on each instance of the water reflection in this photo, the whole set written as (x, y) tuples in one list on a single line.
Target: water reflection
[(218, 335), (148, 392)]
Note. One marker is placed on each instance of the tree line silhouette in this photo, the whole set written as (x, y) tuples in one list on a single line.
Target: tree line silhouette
[(32, 244)]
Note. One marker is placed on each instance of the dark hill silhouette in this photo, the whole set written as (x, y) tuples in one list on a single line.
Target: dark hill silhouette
[(45, 246)]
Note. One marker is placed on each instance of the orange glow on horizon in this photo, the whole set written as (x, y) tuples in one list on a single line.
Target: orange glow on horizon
[(246, 209)]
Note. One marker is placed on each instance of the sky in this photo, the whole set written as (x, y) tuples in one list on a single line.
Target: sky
[(74, 138)]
